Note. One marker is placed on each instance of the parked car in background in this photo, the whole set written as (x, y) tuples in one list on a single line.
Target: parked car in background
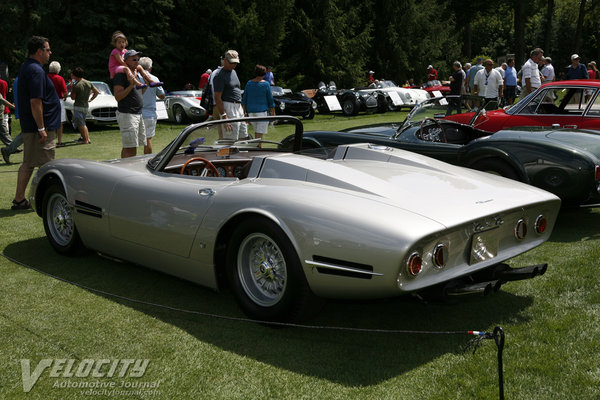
[(101, 111), (406, 97), (349, 101), (568, 104), (184, 106), (562, 161), (284, 229), (433, 87), (297, 104)]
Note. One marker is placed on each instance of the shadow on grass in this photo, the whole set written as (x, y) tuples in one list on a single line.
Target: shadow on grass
[(576, 224), (346, 357)]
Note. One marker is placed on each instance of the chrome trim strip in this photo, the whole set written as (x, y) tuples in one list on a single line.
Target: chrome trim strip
[(341, 268)]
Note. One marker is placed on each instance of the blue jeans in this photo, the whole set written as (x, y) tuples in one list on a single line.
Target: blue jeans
[(12, 147)]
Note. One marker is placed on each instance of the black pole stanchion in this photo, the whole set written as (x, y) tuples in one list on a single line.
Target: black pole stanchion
[(499, 339)]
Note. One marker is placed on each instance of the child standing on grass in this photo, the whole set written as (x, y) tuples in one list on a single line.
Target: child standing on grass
[(116, 63)]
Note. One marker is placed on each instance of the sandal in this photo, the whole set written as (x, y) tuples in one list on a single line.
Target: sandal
[(20, 205)]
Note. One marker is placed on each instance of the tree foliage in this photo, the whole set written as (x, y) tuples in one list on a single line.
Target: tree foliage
[(306, 41)]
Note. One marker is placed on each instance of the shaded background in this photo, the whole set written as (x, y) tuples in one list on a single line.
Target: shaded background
[(305, 41)]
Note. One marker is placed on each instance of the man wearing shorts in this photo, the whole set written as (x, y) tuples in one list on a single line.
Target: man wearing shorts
[(149, 99), (39, 109), (228, 97), (129, 109), (80, 93)]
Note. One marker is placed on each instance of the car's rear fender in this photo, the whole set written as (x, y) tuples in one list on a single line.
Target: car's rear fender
[(488, 152)]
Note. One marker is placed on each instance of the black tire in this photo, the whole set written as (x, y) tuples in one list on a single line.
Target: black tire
[(265, 273), (496, 166), (310, 115), (350, 107), (179, 114), (58, 221), (382, 104)]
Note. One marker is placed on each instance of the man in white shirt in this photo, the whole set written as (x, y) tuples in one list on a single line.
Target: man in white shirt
[(530, 79), (548, 70), (488, 82)]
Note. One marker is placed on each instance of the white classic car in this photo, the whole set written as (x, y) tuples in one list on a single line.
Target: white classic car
[(102, 111), (284, 228), (399, 97)]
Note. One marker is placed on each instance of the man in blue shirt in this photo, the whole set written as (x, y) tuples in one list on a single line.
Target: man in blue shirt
[(39, 111), (510, 82), (576, 70)]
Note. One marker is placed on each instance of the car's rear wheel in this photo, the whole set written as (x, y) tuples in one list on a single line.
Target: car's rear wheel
[(58, 221), (497, 167), (179, 114), (265, 273)]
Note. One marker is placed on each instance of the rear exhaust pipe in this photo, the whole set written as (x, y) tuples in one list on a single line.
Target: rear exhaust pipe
[(461, 288), (506, 273)]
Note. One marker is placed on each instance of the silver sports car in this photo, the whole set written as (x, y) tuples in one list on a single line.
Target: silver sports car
[(184, 105), (284, 228)]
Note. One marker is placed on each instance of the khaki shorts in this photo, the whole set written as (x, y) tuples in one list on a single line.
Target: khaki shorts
[(133, 131), (35, 153)]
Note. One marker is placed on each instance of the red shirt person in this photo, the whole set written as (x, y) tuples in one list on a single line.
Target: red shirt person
[(432, 74)]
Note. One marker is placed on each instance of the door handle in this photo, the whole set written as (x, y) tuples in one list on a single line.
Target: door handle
[(206, 192), (570, 126)]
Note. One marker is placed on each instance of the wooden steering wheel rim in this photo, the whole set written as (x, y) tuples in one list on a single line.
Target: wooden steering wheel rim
[(435, 121), (207, 164)]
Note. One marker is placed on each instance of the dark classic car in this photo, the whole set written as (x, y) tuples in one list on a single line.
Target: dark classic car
[(296, 104), (564, 162), (351, 101), (281, 229), (569, 104)]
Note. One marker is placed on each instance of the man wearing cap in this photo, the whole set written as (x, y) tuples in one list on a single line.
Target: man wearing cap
[(431, 73), (530, 79), (576, 70), (129, 109), (370, 77), (228, 97)]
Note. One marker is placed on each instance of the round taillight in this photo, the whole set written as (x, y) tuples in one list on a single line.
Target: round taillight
[(521, 229), (440, 255), (414, 264), (541, 224)]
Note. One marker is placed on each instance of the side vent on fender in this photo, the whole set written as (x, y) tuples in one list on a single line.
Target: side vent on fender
[(330, 266)]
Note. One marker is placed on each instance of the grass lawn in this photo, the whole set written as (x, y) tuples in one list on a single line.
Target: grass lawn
[(79, 309)]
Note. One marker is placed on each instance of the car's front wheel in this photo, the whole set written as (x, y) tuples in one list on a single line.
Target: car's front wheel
[(179, 114), (350, 107), (310, 115), (265, 273), (58, 221)]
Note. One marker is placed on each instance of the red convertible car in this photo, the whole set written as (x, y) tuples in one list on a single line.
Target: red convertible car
[(568, 104)]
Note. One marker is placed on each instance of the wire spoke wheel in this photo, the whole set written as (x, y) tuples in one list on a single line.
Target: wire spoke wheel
[(60, 219), (262, 269)]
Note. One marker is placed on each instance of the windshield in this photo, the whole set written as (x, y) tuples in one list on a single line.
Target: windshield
[(102, 88), (277, 90), (216, 137)]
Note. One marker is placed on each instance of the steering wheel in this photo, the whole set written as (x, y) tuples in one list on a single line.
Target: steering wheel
[(435, 121), (207, 165)]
